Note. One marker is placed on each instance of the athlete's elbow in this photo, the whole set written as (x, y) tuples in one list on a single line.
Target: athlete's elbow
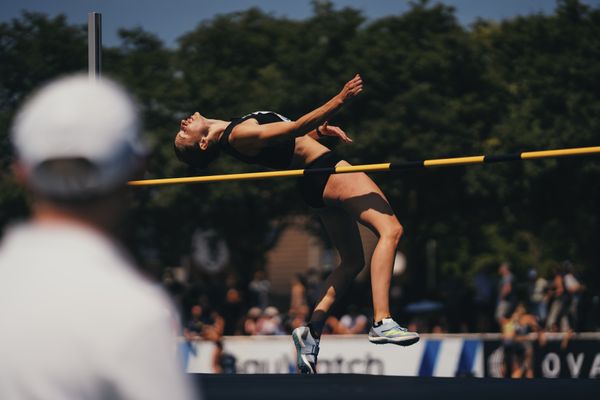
[(299, 128)]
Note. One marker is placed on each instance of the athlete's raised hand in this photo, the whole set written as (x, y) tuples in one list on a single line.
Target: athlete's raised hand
[(352, 88), (328, 130)]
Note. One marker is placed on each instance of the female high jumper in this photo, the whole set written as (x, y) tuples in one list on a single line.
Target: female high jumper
[(271, 140)]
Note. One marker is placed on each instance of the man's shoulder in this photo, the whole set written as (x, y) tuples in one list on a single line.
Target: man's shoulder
[(94, 273)]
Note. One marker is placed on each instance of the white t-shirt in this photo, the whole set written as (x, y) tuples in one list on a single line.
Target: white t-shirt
[(571, 283), (78, 322)]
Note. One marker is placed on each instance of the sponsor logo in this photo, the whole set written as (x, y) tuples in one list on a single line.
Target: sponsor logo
[(339, 364)]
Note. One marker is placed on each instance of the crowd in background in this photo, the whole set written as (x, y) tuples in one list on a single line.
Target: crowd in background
[(522, 310), (213, 305)]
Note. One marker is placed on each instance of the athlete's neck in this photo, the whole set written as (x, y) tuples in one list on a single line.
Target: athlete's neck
[(216, 127)]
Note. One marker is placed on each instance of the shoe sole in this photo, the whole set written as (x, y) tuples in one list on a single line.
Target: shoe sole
[(399, 342), (301, 362)]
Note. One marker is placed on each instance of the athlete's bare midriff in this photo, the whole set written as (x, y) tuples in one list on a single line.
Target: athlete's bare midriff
[(306, 151)]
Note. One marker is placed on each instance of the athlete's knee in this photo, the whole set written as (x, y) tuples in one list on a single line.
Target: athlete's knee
[(392, 231)]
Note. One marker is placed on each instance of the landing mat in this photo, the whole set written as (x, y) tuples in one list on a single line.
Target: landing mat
[(370, 387)]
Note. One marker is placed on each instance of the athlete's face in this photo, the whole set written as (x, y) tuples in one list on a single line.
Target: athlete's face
[(194, 125), (193, 122), (193, 129)]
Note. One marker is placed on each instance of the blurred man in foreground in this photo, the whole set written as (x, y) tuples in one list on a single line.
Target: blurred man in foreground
[(76, 319)]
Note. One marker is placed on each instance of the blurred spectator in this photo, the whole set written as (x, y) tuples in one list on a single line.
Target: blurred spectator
[(297, 292), (232, 311), (538, 295), (483, 298), (260, 289), (332, 326), (518, 348), (175, 288), (556, 290), (353, 322), (441, 326), (350, 323), (566, 295), (506, 295), (78, 320), (574, 289), (251, 321), (269, 323), (593, 314), (204, 324), (222, 361), (417, 324), (557, 318), (297, 316)]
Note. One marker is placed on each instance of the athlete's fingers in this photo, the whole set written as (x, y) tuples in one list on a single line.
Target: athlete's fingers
[(353, 81), (346, 138), (340, 133), (356, 86)]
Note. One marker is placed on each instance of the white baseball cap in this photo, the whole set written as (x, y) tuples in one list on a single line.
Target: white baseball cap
[(76, 117)]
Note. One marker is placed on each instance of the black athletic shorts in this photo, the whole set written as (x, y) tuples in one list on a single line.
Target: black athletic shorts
[(312, 186)]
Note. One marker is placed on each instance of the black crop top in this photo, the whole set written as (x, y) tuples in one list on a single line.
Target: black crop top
[(277, 155)]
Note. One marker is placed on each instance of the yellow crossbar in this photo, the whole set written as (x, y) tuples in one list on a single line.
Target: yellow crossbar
[(453, 161), (440, 162)]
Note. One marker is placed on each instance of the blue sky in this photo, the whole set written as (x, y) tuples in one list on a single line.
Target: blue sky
[(169, 19)]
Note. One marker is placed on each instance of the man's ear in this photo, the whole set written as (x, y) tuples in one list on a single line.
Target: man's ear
[(203, 143), (19, 173)]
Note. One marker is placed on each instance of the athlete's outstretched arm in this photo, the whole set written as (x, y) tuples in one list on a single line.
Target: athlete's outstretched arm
[(249, 133)]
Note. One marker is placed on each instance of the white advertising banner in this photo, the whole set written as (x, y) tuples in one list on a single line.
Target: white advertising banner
[(443, 356)]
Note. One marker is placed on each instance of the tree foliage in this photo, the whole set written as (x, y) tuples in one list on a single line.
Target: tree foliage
[(434, 88)]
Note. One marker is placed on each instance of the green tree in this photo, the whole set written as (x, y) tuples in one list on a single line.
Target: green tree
[(33, 49), (434, 88)]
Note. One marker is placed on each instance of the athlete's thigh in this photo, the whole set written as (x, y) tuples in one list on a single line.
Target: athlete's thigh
[(343, 233), (362, 198)]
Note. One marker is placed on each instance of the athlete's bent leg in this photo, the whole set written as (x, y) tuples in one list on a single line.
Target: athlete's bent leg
[(363, 199), (344, 235)]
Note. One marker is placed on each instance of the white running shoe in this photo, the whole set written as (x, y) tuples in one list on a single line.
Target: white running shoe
[(390, 332), (307, 348)]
